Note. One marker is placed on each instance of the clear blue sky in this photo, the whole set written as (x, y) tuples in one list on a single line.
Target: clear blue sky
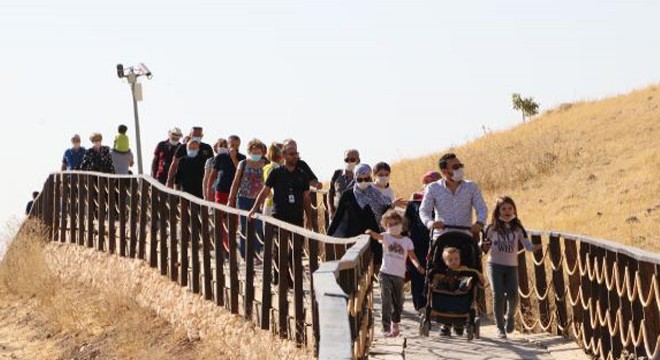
[(392, 78)]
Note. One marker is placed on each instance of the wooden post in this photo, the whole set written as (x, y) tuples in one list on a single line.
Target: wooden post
[(266, 295), (102, 211), (614, 304), (283, 283), (58, 201), (194, 247), (133, 219), (142, 225), (297, 244), (49, 208), (219, 258), (206, 254), (66, 206), (523, 280), (164, 213), (637, 308), (122, 217), (82, 198), (250, 240), (313, 266), (154, 225), (586, 286), (541, 283), (173, 236), (233, 264), (185, 241), (112, 214), (92, 181), (73, 209), (558, 284)]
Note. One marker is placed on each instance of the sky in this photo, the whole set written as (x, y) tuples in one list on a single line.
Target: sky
[(394, 79)]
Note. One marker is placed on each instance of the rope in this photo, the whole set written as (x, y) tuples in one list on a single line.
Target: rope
[(542, 261)]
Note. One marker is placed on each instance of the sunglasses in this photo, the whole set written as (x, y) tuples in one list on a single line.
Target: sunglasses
[(350, 160), (361, 180)]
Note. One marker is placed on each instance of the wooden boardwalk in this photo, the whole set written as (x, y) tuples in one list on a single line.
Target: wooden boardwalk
[(410, 345)]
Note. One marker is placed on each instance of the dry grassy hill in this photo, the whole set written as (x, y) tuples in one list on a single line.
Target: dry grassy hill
[(589, 167)]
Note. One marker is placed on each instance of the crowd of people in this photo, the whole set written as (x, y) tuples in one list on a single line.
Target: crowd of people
[(274, 180)]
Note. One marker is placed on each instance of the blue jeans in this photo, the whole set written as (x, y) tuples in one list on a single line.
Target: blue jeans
[(504, 281), (244, 203)]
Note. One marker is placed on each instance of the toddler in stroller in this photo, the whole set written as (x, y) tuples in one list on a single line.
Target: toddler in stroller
[(450, 287)]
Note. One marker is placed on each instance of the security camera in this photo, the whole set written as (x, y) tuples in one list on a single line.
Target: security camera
[(120, 71), (145, 70)]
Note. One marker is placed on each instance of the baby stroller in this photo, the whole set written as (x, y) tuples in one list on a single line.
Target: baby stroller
[(458, 307)]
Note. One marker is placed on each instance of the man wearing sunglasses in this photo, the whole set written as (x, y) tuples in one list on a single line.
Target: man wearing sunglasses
[(450, 200)]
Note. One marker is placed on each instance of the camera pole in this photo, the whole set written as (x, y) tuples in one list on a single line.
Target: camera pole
[(132, 81)]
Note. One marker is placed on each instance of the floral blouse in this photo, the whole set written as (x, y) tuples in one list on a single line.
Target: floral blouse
[(100, 161)]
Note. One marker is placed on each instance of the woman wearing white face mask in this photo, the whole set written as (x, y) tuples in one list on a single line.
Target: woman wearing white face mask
[(361, 209), (342, 180), (382, 173), (98, 157)]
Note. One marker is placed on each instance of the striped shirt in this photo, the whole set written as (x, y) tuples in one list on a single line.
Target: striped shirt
[(452, 208)]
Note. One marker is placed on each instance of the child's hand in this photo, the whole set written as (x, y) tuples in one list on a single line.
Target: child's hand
[(538, 247)]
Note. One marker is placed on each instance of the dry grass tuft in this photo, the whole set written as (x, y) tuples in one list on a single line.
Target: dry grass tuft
[(585, 167)]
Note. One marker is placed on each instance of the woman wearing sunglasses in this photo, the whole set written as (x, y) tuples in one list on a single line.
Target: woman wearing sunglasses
[(342, 180)]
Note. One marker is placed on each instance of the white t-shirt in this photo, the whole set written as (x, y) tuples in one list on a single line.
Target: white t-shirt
[(395, 252)]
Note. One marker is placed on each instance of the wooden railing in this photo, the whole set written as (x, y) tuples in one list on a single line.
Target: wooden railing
[(182, 236), (603, 294)]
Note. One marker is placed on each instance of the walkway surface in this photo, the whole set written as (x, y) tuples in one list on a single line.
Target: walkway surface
[(410, 345)]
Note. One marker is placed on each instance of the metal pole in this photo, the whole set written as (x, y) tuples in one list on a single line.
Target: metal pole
[(137, 129)]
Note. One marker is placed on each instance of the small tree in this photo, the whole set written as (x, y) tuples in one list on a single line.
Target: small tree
[(527, 106)]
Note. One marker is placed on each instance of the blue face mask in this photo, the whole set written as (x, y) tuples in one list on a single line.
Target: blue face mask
[(255, 157), (192, 153)]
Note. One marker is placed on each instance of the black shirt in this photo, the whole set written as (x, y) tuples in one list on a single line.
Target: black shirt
[(226, 171), (307, 170), (288, 187), (190, 174)]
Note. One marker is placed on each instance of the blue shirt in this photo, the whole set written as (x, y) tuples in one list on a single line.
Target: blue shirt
[(440, 204), (73, 158)]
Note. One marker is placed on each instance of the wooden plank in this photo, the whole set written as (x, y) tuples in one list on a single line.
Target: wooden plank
[(92, 181), (218, 234), (82, 199), (133, 218), (586, 286), (541, 283), (637, 308), (112, 215), (173, 237), (558, 284), (185, 242), (49, 188), (233, 264), (123, 197), (154, 224), (267, 276), (73, 209), (283, 283), (626, 306), (102, 212), (164, 213), (66, 206), (250, 240), (143, 219), (194, 247), (297, 244), (599, 294), (313, 266), (57, 208), (206, 254)]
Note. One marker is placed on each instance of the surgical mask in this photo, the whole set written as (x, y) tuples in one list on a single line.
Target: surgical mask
[(196, 138), (363, 185), (505, 220), (223, 150), (395, 230), (192, 153), (174, 142), (383, 180), (255, 157), (458, 175), (350, 166)]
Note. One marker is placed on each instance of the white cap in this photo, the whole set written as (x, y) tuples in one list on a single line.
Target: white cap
[(175, 131)]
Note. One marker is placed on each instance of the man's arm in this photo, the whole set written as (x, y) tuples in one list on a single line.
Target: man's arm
[(479, 205), (172, 172), (64, 166), (263, 194), (154, 166), (426, 210)]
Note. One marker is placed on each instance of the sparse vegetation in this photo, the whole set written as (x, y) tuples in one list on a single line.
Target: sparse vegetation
[(527, 106)]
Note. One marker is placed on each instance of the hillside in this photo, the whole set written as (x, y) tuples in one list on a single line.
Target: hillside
[(590, 167)]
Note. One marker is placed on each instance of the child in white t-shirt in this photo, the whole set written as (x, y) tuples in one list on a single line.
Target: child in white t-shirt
[(396, 249)]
